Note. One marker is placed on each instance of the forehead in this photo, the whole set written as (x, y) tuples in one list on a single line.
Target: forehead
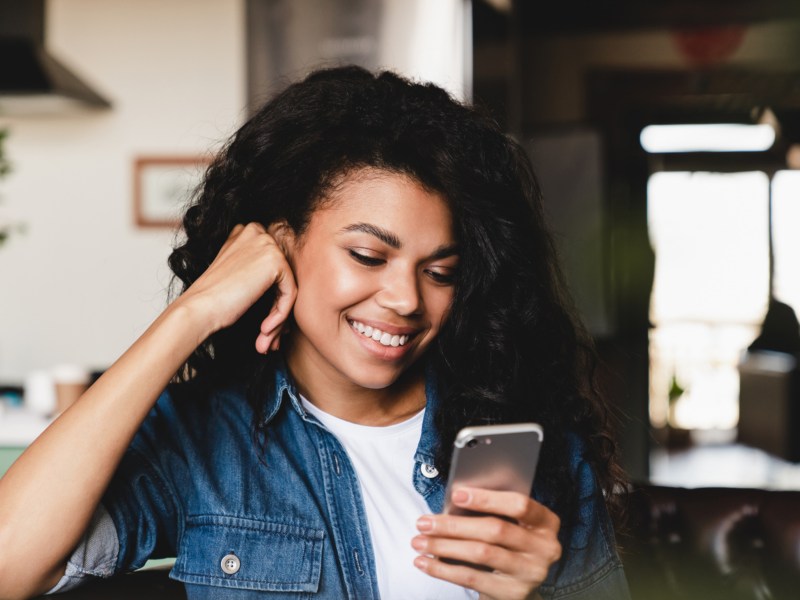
[(390, 199)]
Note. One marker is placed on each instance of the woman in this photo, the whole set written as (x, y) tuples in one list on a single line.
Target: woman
[(385, 248)]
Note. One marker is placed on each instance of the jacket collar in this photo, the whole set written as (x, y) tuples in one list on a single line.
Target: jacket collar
[(284, 387)]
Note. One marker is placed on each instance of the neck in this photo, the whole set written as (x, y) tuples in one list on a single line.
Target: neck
[(351, 402)]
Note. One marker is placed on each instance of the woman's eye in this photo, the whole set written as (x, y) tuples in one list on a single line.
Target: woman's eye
[(443, 277), (369, 261)]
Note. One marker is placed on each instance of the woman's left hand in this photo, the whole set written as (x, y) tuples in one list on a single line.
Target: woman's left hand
[(519, 553)]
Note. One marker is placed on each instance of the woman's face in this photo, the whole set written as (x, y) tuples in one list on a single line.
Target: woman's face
[(375, 271)]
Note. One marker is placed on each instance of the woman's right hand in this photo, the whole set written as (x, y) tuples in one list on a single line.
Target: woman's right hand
[(248, 264)]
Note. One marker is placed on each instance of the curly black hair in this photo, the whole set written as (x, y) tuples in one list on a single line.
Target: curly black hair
[(512, 348)]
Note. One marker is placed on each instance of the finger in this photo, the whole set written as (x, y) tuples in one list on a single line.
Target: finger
[(285, 295), (489, 529), (264, 343), (508, 504), (493, 530), (234, 233), (493, 584), (271, 340), (276, 344), (515, 564)]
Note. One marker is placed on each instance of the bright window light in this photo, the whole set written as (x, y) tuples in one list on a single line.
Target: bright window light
[(786, 243), (719, 137)]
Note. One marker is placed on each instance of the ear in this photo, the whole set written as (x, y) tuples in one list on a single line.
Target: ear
[(284, 236)]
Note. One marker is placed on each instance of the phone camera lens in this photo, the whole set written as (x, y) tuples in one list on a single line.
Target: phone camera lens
[(472, 443)]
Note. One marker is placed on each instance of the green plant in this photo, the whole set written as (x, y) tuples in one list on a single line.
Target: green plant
[(6, 228), (676, 391), (5, 165)]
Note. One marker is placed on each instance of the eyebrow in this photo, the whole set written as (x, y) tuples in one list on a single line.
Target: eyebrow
[(387, 237), (390, 239)]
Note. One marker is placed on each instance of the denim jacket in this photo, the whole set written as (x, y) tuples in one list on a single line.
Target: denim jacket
[(287, 520)]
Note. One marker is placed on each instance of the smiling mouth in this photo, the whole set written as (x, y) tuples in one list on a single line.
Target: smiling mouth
[(383, 338)]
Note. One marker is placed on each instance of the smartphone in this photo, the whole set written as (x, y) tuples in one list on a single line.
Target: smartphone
[(495, 457)]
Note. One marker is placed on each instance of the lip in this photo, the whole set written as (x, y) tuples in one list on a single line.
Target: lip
[(378, 350), (387, 327)]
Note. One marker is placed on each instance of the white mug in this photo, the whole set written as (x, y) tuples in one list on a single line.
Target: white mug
[(40, 393)]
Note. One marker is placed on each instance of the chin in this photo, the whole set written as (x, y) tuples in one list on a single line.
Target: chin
[(373, 377), (376, 381)]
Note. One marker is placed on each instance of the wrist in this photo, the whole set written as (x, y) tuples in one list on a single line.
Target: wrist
[(190, 315)]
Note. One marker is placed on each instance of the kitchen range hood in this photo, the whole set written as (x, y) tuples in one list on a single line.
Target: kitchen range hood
[(33, 82)]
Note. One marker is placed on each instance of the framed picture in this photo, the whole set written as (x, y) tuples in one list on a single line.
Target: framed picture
[(162, 185)]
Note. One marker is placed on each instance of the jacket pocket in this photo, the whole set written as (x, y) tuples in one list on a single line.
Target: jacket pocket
[(249, 554)]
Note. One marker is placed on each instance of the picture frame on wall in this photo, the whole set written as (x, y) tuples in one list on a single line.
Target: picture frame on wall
[(162, 187)]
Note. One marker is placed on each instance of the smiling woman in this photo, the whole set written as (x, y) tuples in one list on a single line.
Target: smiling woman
[(371, 256), (365, 271)]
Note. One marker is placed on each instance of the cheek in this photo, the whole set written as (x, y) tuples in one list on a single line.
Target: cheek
[(439, 306), (327, 286)]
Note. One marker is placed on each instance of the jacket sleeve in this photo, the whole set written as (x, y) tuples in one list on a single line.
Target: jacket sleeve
[(590, 567), (138, 516), (94, 556), (142, 498)]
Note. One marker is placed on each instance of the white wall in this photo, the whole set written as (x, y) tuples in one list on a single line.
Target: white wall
[(84, 281)]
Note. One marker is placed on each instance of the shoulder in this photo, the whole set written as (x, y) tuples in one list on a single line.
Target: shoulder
[(184, 412), (182, 402), (581, 470)]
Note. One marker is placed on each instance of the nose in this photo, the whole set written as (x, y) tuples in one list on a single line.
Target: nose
[(400, 292)]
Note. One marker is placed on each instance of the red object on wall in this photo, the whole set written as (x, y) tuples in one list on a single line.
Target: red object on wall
[(707, 46)]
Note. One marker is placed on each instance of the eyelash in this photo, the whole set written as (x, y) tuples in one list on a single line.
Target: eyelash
[(369, 261), (366, 260), (441, 278)]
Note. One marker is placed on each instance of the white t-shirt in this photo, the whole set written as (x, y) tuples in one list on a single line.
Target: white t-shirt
[(383, 458)]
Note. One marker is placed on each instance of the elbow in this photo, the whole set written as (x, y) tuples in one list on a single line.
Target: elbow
[(25, 573), (15, 586), (9, 590)]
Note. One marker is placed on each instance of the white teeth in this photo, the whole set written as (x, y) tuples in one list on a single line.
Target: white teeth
[(383, 338)]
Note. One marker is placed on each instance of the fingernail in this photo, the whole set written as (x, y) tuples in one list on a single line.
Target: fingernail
[(419, 542), (421, 562), (424, 524), (461, 497)]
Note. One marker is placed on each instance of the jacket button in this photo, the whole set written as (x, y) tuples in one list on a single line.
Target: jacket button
[(230, 564), (429, 471)]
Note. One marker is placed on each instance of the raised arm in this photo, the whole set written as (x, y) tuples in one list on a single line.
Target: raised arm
[(49, 495)]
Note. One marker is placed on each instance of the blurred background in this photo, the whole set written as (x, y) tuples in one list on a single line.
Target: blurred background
[(679, 245)]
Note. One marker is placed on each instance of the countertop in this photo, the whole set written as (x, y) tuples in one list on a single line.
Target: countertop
[(19, 427)]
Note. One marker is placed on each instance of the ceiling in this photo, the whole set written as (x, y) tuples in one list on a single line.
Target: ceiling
[(573, 16)]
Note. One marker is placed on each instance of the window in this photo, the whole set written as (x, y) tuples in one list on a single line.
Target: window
[(786, 241), (710, 235)]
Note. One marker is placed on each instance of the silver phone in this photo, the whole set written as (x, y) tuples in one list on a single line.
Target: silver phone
[(495, 457)]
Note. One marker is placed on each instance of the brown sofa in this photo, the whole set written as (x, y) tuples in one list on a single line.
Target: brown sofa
[(150, 584), (712, 543), (678, 544)]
